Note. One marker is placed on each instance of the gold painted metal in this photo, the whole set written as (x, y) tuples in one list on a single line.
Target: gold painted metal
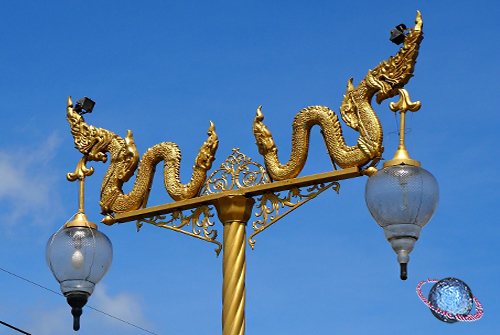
[(234, 212), (234, 208), (238, 171), (96, 142), (209, 235), (81, 171), (80, 218), (251, 191), (231, 188), (271, 214), (369, 171), (384, 81), (403, 105)]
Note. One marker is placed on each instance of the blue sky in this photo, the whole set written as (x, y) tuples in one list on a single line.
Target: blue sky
[(164, 69)]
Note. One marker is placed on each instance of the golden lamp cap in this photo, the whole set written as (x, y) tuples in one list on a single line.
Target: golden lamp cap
[(80, 220), (402, 156)]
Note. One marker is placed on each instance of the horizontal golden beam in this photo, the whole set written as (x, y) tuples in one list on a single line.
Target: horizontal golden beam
[(251, 191)]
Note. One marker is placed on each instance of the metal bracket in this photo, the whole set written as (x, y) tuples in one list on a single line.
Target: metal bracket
[(193, 219), (270, 214)]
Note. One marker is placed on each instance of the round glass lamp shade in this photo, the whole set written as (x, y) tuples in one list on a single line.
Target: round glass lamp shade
[(402, 199), (79, 257)]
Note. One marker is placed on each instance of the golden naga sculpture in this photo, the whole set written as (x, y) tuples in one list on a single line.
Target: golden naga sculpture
[(94, 143), (356, 111)]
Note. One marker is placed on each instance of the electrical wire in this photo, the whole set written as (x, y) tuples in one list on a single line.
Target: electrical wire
[(114, 317), (10, 326), (397, 130), (48, 289)]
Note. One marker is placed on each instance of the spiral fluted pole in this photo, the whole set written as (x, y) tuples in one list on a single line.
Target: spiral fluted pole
[(234, 212)]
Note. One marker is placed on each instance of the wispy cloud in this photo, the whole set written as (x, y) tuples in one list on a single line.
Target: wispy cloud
[(27, 185), (59, 321), (51, 322), (124, 306)]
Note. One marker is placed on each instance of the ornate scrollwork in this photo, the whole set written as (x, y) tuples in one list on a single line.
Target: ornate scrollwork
[(205, 233), (238, 171), (404, 103), (295, 198), (81, 170)]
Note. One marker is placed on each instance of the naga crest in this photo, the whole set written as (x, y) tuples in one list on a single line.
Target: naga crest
[(356, 111), (96, 143)]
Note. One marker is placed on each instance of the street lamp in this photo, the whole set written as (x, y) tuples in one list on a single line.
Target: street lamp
[(79, 255), (402, 197), (275, 189)]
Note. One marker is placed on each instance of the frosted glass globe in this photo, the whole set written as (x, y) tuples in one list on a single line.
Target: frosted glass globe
[(402, 194), (402, 199), (79, 257)]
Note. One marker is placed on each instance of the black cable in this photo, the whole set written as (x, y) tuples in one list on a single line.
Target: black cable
[(114, 317), (48, 289), (29, 281), (19, 330)]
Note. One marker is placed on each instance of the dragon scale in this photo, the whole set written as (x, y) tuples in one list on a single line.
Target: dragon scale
[(96, 142), (356, 111), (345, 156)]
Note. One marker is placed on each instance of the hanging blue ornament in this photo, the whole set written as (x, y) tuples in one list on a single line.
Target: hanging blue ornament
[(451, 300)]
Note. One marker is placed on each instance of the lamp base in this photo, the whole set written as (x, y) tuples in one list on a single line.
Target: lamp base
[(404, 271), (402, 238), (76, 301)]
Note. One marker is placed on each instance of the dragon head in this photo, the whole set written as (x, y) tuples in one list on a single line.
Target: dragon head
[(349, 109), (206, 154), (395, 73), (89, 140), (128, 157), (264, 138)]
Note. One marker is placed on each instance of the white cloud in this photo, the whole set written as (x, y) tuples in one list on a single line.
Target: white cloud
[(124, 306), (51, 322), (27, 185), (46, 319)]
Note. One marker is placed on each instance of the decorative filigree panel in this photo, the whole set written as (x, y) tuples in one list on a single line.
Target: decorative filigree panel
[(271, 203), (238, 171), (199, 228)]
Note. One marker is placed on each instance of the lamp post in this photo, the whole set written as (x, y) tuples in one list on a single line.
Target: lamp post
[(275, 188)]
